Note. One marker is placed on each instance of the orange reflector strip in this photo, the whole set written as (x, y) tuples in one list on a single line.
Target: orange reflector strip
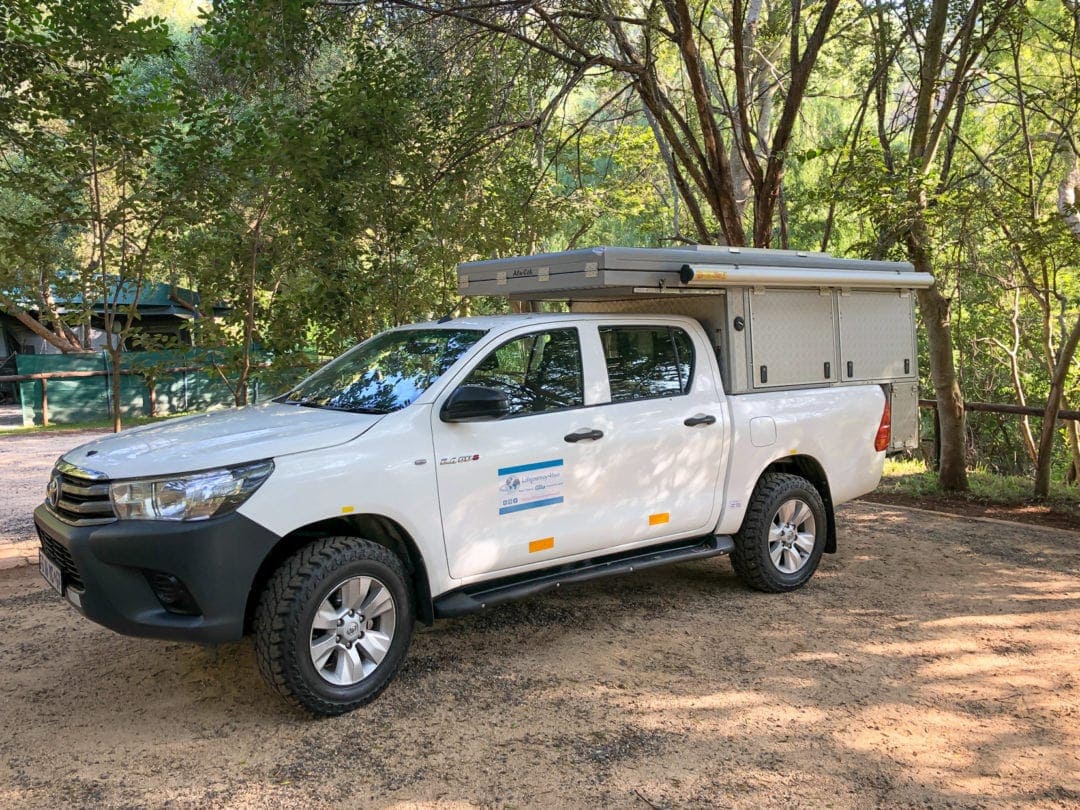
[(347, 509), (543, 544), (658, 518)]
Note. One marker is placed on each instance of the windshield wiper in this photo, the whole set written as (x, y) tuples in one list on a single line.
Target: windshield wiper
[(375, 411), (313, 403), (303, 403)]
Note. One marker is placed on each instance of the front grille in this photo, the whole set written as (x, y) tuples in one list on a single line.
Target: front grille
[(62, 557), (81, 497)]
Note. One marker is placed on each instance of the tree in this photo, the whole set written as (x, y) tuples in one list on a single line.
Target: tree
[(710, 106), (940, 46), (95, 103)]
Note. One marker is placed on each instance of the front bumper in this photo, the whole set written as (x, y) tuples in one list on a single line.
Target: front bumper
[(108, 570)]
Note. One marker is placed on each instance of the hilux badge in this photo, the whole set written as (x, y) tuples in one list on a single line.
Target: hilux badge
[(459, 459)]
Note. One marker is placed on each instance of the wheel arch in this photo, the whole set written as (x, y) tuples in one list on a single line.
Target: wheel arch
[(810, 468), (376, 528)]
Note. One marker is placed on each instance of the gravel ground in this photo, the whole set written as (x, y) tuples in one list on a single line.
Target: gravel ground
[(11, 416), (932, 661), (25, 462)]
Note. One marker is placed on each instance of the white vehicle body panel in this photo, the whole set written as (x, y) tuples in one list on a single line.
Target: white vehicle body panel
[(218, 439), (404, 465), (835, 427), (376, 474)]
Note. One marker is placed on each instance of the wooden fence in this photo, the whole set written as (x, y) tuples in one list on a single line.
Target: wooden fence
[(990, 407)]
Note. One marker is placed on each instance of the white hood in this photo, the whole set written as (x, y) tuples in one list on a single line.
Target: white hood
[(218, 439)]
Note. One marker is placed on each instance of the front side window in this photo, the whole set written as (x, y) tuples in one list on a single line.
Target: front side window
[(644, 362), (386, 373), (538, 372)]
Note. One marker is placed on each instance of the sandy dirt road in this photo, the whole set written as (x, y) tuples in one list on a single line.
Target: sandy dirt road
[(933, 661)]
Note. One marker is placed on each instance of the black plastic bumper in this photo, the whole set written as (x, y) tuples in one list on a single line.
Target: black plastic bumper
[(216, 560)]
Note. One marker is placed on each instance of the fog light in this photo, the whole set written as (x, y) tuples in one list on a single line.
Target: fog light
[(172, 593)]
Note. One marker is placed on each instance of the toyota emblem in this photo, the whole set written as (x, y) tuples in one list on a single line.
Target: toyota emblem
[(52, 491)]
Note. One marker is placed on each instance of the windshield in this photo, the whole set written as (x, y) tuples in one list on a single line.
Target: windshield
[(386, 373)]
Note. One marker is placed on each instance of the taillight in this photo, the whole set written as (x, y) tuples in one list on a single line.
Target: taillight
[(884, 431)]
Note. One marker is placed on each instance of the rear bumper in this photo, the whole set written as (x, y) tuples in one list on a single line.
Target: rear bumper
[(107, 572)]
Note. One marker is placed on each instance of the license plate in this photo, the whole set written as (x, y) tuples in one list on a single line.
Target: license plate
[(51, 572)]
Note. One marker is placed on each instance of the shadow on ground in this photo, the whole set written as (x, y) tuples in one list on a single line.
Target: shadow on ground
[(932, 661)]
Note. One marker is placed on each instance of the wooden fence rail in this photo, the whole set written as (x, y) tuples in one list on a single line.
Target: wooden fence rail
[(989, 407), (993, 407)]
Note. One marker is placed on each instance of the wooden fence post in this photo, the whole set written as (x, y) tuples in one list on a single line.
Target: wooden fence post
[(44, 401)]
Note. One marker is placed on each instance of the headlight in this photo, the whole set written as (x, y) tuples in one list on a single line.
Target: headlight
[(197, 496)]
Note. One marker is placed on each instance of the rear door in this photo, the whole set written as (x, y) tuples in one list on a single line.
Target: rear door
[(664, 431)]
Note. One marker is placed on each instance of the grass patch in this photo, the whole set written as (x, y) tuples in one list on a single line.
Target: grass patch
[(912, 478)]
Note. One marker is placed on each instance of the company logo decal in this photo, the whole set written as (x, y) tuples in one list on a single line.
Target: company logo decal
[(530, 486)]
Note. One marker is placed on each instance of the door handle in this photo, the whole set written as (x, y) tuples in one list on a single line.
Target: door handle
[(700, 419), (584, 435)]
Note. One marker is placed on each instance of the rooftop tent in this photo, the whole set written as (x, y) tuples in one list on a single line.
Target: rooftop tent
[(605, 272)]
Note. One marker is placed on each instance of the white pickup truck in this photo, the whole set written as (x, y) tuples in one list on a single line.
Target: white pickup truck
[(441, 468)]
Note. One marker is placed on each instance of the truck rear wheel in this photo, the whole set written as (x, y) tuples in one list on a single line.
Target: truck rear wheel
[(333, 624), (782, 537)]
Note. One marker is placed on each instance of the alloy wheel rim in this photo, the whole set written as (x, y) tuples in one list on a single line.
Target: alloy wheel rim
[(792, 535), (352, 630)]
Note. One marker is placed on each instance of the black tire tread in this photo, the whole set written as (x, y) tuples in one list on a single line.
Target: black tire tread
[(746, 559), (288, 589)]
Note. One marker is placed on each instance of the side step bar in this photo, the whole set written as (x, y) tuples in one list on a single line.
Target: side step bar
[(472, 598)]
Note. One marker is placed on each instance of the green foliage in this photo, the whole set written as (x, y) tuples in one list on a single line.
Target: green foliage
[(319, 169)]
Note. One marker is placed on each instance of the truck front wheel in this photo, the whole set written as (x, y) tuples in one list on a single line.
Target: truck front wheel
[(333, 624), (782, 537)]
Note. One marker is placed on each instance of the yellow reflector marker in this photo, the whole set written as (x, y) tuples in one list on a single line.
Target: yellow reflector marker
[(658, 518), (543, 544), (347, 509)]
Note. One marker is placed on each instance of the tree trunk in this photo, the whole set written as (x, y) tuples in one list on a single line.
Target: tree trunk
[(1053, 405), (1073, 436), (952, 467), (35, 326), (936, 314), (114, 381), (240, 395)]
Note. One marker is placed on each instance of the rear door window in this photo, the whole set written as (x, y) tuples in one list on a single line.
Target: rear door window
[(644, 362)]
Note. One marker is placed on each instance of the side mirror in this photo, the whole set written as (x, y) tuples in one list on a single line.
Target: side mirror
[(475, 402)]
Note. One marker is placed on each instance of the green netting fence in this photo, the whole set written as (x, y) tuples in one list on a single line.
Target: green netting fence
[(181, 381)]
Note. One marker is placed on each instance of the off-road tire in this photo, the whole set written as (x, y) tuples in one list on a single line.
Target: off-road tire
[(751, 559), (288, 603)]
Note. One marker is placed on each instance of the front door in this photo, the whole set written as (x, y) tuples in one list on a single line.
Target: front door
[(518, 490)]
